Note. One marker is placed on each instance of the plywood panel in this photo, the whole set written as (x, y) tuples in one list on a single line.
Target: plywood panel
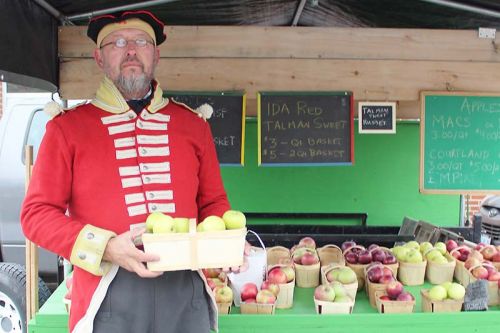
[(369, 79)]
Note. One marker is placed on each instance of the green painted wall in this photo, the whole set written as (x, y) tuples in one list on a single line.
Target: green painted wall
[(383, 182)]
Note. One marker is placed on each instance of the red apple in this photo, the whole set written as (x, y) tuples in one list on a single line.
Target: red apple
[(249, 290), (211, 284), (309, 259), (265, 297), (68, 295), (488, 252), (385, 298), (386, 279), (308, 242), (496, 257), (480, 273), (387, 271), (389, 259), (374, 274), (351, 258), (211, 272), (347, 244), (405, 297), (223, 294), (277, 276), (450, 245), (372, 247), (394, 289), (378, 255), (324, 292), (365, 257), (272, 287), (251, 300), (494, 276)]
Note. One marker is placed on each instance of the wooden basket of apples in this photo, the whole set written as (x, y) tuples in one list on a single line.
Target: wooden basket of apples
[(440, 264), (377, 277), (412, 264), (492, 254), (330, 254), (356, 257), (255, 301), (283, 276), (342, 274), (277, 255), (332, 298), (307, 266), (461, 254), (384, 256), (218, 282), (445, 297), (394, 299), (486, 271), (181, 244)]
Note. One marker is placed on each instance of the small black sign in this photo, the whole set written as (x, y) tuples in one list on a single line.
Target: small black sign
[(226, 122), (377, 117), (476, 296)]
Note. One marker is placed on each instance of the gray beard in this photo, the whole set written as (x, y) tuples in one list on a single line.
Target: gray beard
[(133, 87)]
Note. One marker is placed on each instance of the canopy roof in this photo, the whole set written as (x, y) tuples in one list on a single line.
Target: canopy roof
[(28, 28)]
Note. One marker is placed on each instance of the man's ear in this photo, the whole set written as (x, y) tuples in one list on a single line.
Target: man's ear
[(98, 58)]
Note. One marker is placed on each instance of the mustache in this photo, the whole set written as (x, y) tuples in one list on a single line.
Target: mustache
[(131, 59)]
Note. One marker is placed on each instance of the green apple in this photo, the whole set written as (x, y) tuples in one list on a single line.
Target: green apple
[(181, 224), (434, 253), (438, 293), (346, 275), (446, 285), (342, 299), (439, 260), (163, 224), (441, 247), (234, 219), (456, 291), (413, 256), (413, 245), (153, 218), (400, 252), (211, 223), (339, 289), (425, 246)]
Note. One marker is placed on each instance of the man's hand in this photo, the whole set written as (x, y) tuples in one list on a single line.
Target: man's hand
[(244, 266), (121, 250)]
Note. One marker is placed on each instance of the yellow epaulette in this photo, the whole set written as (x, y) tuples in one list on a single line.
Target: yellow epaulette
[(54, 109)]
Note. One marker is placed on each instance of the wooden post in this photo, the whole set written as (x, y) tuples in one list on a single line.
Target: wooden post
[(31, 252)]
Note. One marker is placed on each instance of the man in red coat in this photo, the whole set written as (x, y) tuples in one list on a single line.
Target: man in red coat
[(110, 163)]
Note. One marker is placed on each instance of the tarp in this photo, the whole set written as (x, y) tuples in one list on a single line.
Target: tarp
[(28, 33), (28, 45)]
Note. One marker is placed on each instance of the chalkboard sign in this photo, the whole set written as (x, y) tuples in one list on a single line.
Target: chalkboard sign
[(227, 122), (460, 142), (305, 128), (377, 117)]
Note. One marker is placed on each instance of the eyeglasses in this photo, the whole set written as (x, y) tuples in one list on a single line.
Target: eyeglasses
[(120, 43)]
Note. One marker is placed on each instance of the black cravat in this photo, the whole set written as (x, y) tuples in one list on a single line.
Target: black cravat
[(139, 104)]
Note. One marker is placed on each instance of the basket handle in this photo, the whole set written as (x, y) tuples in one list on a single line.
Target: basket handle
[(483, 264), (459, 248), (332, 246), (258, 238), (353, 247)]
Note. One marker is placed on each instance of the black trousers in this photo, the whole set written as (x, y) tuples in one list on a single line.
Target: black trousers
[(175, 302)]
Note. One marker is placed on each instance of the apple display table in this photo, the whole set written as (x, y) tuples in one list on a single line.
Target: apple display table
[(53, 318)]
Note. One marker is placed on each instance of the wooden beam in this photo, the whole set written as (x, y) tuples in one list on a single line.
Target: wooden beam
[(306, 43)]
